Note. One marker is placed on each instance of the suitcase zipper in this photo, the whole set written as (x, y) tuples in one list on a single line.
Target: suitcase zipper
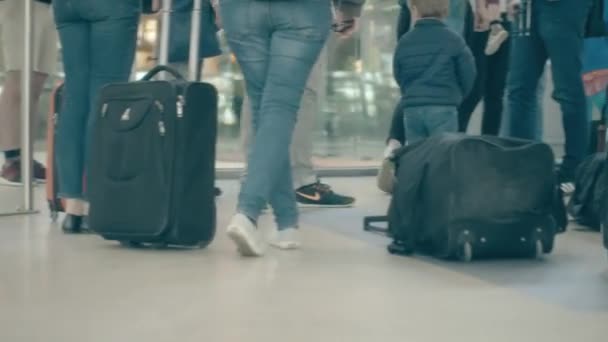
[(161, 122), (180, 106), (161, 128)]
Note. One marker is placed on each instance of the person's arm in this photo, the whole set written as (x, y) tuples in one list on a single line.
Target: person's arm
[(466, 70), (405, 19)]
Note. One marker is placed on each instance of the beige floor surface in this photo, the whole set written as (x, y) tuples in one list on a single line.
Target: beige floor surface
[(342, 286)]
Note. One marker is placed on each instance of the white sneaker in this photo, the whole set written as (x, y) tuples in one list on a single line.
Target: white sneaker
[(246, 236), (286, 239), (568, 188), (497, 37)]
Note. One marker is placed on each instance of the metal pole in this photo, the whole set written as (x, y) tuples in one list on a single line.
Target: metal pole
[(195, 33), (163, 57), (26, 122)]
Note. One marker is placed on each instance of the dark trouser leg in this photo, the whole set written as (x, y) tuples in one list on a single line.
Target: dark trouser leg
[(404, 21), (561, 28), (496, 80), (528, 58), (112, 64), (477, 43), (72, 123)]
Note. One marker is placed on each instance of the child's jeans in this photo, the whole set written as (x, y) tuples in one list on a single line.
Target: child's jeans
[(425, 121)]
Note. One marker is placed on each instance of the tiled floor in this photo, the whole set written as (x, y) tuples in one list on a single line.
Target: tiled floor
[(342, 286)]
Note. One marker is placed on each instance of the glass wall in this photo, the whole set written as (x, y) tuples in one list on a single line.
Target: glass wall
[(357, 98)]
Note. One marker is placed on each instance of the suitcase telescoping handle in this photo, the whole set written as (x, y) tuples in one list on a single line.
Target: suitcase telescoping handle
[(162, 68), (195, 33)]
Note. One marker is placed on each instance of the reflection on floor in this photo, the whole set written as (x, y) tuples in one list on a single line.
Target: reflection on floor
[(342, 286)]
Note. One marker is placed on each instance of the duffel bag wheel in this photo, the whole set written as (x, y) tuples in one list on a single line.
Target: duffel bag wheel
[(466, 252), (399, 248), (130, 244), (538, 249), (392, 250)]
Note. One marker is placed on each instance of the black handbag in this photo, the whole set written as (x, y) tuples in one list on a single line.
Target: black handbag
[(596, 24)]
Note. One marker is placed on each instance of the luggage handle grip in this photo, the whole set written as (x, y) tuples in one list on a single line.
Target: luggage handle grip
[(162, 68)]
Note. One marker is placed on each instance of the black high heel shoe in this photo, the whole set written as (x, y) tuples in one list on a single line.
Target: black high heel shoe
[(72, 224)]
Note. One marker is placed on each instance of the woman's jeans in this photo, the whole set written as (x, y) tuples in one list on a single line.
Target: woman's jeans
[(276, 45), (98, 40), (556, 34)]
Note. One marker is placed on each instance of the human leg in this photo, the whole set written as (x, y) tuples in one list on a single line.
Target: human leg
[(10, 124), (414, 123), (71, 125), (440, 119), (476, 42), (44, 58), (110, 64), (561, 26), (528, 58)]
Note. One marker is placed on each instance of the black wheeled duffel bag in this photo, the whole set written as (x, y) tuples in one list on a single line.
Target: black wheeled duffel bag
[(462, 197)]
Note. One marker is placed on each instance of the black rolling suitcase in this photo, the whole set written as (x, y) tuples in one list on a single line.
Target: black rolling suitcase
[(152, 168), (465, 197)]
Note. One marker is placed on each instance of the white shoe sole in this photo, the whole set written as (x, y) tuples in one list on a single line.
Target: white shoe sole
[(245, 242), (285, 245)]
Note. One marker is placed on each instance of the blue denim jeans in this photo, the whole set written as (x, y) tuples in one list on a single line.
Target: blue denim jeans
[(556, 34), (456, 19), (537, 111), (98, 41), (276, 45), (423, 122)]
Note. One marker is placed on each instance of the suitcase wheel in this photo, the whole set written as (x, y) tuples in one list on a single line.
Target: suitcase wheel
[(538, 246)]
